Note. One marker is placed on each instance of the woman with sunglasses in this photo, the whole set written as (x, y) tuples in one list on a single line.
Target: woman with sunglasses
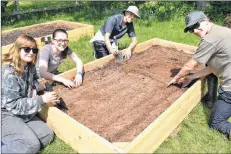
[(22, 130), (52, 55), (214, 50)]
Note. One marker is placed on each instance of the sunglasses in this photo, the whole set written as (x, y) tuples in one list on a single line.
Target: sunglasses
[(28, 49), (195, 26)]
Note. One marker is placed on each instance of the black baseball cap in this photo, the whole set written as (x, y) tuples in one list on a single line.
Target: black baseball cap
[(193, 18)]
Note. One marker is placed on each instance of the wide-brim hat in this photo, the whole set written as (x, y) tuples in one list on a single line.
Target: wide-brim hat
[(193, 18), (133, 9)]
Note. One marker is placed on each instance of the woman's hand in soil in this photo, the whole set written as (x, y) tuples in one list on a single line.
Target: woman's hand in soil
[(68, 83), (50, 97), (78, 80)]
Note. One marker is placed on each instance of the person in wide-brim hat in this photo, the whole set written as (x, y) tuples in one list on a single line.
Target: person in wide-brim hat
[(132, 9), (105, 41)]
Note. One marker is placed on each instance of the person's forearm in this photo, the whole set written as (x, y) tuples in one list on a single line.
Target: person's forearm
[(78, 62), (46, 75), (50, 76), (79, 65), (58, 78), (204, 72), (107, 42), (133, 44), (186, 69)]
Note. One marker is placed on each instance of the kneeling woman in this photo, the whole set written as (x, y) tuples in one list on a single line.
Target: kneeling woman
[(22, 130), (52, 55)]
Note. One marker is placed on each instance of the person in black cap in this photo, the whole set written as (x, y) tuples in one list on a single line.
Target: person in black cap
[(105, 41), (214, 50)]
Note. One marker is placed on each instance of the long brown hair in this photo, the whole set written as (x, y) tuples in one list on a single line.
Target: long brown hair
[(13, 55)]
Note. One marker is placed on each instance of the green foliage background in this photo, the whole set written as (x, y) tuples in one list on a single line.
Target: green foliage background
[(153, 10)]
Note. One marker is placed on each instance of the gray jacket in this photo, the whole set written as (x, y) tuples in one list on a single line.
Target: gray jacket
[(16, 92)]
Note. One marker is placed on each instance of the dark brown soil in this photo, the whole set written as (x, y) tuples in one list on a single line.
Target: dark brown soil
[(35, 31), (120, 100)]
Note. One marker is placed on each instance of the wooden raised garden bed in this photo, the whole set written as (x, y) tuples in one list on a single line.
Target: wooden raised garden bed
[(44, 30), (125, 107)]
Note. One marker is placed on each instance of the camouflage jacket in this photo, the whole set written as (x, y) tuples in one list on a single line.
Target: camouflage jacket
[(16, 92)]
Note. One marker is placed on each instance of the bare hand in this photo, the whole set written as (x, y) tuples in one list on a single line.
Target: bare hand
[(173, 81), (128, 53), (115, 51), (186, 80), (50, 97), (78, 80), (68, 83)]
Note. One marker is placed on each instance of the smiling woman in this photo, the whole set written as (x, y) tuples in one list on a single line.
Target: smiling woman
[(52, 56), (22, 130)]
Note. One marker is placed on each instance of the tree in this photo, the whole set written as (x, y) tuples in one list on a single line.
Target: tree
[(3, 6)]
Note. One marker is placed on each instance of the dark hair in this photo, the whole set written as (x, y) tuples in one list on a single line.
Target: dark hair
[(63, 53), (57, 31)]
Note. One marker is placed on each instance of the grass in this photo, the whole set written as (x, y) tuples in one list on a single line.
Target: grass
[(58, 146), (193, 135)]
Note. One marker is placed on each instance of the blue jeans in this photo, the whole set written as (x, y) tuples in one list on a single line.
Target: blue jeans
[(221, 112)]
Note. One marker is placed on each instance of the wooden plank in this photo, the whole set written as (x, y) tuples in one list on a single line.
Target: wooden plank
[(79, 137), (150, 139), (76, 33), (143, 46), (178, 46), (120, 145), (31, 26)]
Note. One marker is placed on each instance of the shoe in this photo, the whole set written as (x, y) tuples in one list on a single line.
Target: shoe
[(209, 104)]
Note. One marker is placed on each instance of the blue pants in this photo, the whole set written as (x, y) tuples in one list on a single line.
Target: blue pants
[(24, 137), (221, 112)]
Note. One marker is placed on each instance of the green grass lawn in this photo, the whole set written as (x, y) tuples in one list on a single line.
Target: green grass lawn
[(193, 135)]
